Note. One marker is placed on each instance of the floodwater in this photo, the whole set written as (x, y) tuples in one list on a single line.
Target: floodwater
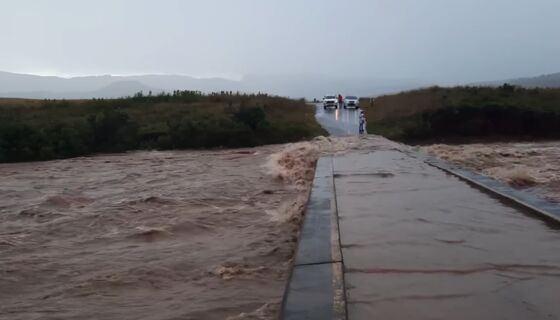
[(338, 122), (420, 244), (211, 235), (531, 166), (152, 235)]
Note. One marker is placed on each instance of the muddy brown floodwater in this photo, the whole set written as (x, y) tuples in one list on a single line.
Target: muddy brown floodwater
[(152, 235), (531, 166)]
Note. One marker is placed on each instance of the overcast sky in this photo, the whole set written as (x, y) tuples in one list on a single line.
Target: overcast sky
[(440, 40)]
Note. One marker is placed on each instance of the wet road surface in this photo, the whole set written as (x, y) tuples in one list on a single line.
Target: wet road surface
[(338, 122), (418, 243)]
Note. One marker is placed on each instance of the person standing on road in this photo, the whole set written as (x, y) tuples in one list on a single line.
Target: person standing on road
[(339, 98), (362, 122)]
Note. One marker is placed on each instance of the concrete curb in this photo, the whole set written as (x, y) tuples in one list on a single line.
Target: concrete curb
[(543, 208), (315, 289)]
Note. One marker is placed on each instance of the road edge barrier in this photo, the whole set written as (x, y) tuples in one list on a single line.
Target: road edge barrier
[(315, 288)]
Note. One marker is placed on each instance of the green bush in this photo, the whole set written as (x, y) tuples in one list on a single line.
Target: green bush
[(254, 117), (112, 131)]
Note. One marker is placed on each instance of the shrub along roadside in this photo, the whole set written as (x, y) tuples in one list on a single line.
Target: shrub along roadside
[(181, 120), (465, 114)]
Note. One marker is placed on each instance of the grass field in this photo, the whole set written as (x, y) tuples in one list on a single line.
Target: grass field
[(49, 129), (466, 113)]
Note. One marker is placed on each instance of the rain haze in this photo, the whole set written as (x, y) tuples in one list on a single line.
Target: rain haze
[(439, 41)]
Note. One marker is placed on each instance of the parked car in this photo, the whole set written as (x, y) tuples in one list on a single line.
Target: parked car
[(351, 102), (330, 102)]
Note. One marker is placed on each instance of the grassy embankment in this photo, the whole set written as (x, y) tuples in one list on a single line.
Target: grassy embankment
[(33, 130), (464, 114)]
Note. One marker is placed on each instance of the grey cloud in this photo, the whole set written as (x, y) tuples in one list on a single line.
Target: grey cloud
[(435, 40)]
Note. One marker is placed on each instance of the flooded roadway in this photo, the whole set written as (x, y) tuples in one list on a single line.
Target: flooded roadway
[(418, 243), (338, 122)]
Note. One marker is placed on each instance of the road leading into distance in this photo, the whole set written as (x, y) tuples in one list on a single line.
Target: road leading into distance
[(338, 122), (418, 243)]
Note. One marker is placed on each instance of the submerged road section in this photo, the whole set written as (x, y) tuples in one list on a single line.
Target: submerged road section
[(338, 122)]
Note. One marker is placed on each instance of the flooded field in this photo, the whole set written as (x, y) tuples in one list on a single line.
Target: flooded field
[(152, 235), (534, 166)]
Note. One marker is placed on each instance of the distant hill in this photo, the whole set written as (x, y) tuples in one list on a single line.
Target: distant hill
[(115, 89), (15, 85), (310, 86), (120, 89), (543, 81)]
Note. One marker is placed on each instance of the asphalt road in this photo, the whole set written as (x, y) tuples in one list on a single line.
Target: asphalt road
[(338, 122)]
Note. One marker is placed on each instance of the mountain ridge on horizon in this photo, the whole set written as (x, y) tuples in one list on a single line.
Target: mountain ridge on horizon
[(18, 85)]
